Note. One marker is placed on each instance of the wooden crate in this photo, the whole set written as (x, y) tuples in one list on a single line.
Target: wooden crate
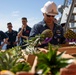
[(69, 49)]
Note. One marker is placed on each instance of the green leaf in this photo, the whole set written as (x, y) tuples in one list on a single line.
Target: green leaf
[(46, 70), (50, 61), (21, 66)]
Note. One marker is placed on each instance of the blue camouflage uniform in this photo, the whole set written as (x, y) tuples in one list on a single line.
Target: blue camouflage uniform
[(12, 38), (2, 36), (58, 37)]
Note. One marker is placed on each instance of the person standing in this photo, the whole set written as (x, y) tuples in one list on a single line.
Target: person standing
[(24, 32), (12, 34), (49, 11), (3, 38)]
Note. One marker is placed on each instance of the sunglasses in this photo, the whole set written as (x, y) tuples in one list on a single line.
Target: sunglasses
[(49, 15)]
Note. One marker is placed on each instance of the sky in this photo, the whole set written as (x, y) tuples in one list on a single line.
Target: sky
[(13, 10)]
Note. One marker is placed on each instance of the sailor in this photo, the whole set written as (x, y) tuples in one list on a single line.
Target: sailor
[(49, 11), (12, 34), (3, 39)]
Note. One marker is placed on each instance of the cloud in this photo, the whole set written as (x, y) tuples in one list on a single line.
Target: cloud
[(32, 18), (15, 13), (32, 21), (3, 25)]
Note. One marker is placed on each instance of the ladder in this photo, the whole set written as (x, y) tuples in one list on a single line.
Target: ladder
[(71, 15)]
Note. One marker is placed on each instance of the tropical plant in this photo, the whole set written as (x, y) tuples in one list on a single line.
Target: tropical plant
[(70, 35), (51, 61), (38, 39), (34, 42), (10, 60)]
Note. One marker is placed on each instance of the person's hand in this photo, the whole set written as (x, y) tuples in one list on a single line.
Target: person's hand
[(8, 43), (0, 47), (19, 35), (15, 43), (47, 40), (5, 41), (23, 27), (69, 70)]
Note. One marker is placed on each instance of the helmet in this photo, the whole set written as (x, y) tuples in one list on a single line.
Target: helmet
[(50, 8)]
